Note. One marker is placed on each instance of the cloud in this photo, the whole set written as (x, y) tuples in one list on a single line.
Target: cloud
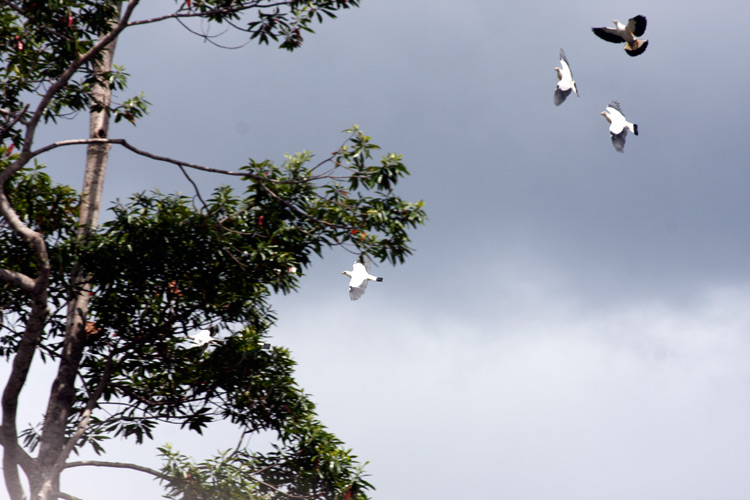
[(646, 401)]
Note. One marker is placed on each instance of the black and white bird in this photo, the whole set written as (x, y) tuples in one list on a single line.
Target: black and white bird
[(627, 33), (618, 125), (359, 276), (566, 84)]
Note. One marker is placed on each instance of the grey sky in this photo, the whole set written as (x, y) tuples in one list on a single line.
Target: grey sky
[(575, 322)]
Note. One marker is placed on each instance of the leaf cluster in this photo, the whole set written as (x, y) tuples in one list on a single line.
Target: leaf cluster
[(282, 22), (52, 210), (164, 266), (39, 41)]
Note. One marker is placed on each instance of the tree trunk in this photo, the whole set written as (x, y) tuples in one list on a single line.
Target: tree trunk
[(63, 388)]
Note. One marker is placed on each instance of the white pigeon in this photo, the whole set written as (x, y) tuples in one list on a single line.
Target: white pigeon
[(626, 33), (360, 275), (204, 337), (618, 125), (566, 84)]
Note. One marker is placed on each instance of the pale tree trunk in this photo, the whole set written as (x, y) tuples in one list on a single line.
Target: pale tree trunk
[(62, 394)]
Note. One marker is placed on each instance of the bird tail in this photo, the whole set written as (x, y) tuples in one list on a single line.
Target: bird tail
[(635, 129), (378, 279), (636, 47)]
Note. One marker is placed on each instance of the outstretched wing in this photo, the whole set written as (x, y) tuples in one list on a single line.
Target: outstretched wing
[(616, 106), (618, 140), (637, 25), (608, 34), (366, 261), (561, 95), (636, 48), (356, 292)]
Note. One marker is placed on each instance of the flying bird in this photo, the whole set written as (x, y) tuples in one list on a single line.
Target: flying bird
[(566, 84), (618, 125), (626, 33), (204, 337), (360, 275)]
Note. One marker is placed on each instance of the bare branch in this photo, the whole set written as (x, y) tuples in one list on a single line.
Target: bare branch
[(182, 163), (14, 119), (195, 186), (127, 145), (18, 279), (64, 496), (116, 465)]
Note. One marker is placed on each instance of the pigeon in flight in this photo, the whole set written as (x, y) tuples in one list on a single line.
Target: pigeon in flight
[(360, 275), (566, 84), (626, 33), (618, 125), (204, 337)]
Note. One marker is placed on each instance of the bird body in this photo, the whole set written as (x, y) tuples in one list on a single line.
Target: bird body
[(565, 84), (359, 277), (627, 33), (204, 337), (618, 125)]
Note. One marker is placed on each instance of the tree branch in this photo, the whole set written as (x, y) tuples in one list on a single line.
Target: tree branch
[(180, 163), (66, 76), (241, 6), (18, 279), (64, 496), (116, 465)]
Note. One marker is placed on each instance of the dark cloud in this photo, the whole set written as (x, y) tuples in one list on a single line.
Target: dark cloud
[(559, 330)]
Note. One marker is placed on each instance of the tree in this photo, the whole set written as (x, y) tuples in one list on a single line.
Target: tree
[(111, 305)]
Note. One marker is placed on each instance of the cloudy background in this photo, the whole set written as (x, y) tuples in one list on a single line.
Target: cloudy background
[(575, 323)]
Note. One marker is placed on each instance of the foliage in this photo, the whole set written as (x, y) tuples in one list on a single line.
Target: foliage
[(114, 306)]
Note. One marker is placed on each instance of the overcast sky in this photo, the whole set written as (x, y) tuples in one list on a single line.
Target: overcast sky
[(575, 323)]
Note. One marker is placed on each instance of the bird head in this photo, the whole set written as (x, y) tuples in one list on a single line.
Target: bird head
[(347, 273), (559, 72), (606, 115)]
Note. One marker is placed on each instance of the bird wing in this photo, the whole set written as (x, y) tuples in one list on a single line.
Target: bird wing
[(636, 47), (608, 34), (565, 66), (616, 106), (561, 95), (567, 74), (637, 25), (618, 140), (366, 261), (355, 292)]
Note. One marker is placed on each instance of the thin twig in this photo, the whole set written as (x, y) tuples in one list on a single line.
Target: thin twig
[(195, 186)]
